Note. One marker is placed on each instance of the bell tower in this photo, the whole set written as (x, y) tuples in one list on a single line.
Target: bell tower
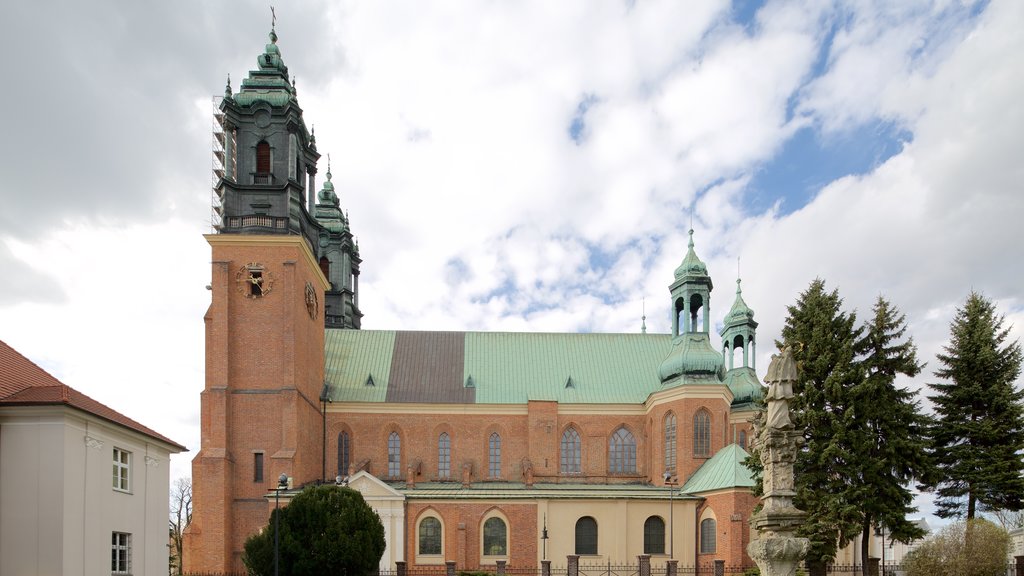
[(739, 347), (339, 260), (260, 410)]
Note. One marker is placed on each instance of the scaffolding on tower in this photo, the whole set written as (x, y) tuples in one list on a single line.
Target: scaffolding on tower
[(218, 163)]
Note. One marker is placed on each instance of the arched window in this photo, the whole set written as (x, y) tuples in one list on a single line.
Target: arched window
[(263, 158), (696, 318), (670, 442), (702, 434), (586, 536), (394, 455), (343, 454), (495, 537), (708, 527), (430, 536), (622, 452), (325, 267), (654, 535), (494, 455), (444, 456), (570, 457), (743, 439)]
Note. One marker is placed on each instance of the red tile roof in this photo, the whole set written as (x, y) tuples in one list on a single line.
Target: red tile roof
[(23, 383)]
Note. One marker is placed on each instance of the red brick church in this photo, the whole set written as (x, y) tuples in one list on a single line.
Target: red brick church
[(474, 447)]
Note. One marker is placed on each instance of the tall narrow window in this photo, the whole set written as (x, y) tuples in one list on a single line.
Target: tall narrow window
[(622, 452), (343, 454), (654, 535), (586, 536), (494, 455), (430, 536), (122, 470), (263, 158), (257, 467), (702, 434), (120, 553), (743, 439), (708, 527), (570, 457), (444, 456), (495, 537), (325, 267), (670, 442), (394, 455)]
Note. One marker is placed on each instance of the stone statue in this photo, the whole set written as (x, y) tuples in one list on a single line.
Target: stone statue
[(780, 378), (776, 550)]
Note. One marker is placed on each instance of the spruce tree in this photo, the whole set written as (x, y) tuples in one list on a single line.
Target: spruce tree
[(824, 340), (889, 428), (977, 439)]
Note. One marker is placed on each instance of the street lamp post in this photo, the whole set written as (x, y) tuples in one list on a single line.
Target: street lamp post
[(670, 481), (544, 536), (282, 482)]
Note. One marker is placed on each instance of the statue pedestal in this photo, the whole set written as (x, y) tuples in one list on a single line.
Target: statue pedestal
[(778, 555)]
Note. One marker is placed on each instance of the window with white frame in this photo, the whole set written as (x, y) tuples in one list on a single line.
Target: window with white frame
[(122, 469), (495, 537), (570, 457), (444, 456), (120, 553)]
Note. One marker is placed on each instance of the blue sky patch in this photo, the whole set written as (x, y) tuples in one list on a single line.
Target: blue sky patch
[(578, 124), (808, 162)]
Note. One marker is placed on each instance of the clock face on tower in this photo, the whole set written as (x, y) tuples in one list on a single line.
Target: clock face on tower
[(254, 280), (312, 304)]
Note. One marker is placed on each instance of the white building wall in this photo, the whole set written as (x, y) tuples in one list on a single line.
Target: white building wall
[(58, 507)]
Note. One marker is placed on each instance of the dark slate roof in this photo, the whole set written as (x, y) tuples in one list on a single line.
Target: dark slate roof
[(23, 383)]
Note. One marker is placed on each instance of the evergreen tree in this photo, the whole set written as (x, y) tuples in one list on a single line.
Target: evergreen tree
[(824, 340), (889, 428), (324, 530), (977, 439)]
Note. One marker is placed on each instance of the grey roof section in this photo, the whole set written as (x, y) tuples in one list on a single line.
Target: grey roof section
[(428, 367)]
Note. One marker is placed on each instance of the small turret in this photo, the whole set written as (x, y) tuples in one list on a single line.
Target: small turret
[(738, 334)]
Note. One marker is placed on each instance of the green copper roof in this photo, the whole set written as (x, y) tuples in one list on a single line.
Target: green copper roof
[(269, 82), (692, 267), (492, 367), (693, 358), (328, 212), (740, 313), (744, 385), (604, 368), (724, 470)]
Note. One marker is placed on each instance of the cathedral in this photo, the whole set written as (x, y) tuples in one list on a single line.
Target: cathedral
[(478, 448)]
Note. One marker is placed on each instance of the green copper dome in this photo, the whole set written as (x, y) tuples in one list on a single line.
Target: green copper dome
[(740, 313), (328, 212), (269, 83), (693, 359), (744, 386), (691, 265)]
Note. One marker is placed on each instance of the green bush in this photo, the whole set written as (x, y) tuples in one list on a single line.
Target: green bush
[(974, 548), (324, 530)]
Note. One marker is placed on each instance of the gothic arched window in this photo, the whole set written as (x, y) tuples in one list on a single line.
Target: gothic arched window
[(570, 456), (494, 455), (743, 439), (708, 545), (622, 452), (702, 434), (444, 456), (394, 455), (670, 442), (343, 454)]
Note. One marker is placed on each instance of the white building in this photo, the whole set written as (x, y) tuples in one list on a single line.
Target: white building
[(83, 488)]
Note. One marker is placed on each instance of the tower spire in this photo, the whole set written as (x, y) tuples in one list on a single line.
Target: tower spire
[(643, 317)]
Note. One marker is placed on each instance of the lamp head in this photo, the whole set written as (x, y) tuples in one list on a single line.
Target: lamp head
[(282, 480)]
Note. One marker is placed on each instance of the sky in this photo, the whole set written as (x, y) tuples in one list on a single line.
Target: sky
[(526, 166)]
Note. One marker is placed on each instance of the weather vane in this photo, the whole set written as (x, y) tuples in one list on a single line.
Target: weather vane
[(273, 18)]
